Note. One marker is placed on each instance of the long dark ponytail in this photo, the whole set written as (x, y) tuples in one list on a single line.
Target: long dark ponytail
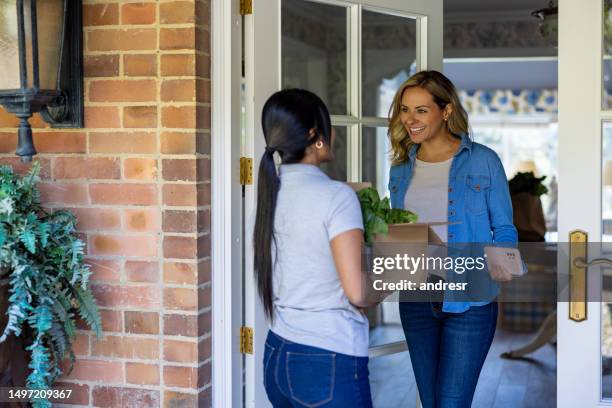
[(287, 119)]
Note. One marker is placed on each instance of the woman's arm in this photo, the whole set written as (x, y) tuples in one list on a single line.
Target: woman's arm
[(500, 207), (346, 250), (500, 216)]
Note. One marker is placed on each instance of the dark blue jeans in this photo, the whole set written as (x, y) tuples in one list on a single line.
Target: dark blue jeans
[(296, 375), (447, 350)]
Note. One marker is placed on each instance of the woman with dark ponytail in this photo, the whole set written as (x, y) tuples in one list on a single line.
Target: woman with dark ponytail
[(307, 241)]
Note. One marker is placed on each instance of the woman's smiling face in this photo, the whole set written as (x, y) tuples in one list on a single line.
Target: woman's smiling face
[(421, 116)]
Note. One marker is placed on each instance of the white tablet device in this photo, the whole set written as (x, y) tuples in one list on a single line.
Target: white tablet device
[(509, 258)]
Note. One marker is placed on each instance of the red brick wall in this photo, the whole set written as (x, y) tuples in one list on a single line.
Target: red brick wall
[(138, 178)]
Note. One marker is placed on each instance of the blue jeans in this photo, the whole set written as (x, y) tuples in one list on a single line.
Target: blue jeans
[(447, 350), (296, 375)]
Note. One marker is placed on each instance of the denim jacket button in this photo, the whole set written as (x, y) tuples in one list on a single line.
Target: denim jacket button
[(450, 202), (394, 188)]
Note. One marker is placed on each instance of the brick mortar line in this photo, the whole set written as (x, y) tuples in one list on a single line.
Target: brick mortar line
[(157, 103), (124, 206), (147, 387), (141, 78), (165, 156), (169, 337), (138, 309), (208, 360), (148, 77), (101, 181), (190, 261), (151, 259), (162, 104), (182, 339), (205, 387), (205, 336), (119, 181), (143, 26), (181, 51), (157, 50), (127, 234)]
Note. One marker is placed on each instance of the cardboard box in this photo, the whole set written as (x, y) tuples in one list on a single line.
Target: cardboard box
[(418, 232), (414, 240)]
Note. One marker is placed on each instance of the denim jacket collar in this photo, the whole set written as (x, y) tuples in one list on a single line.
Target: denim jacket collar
[(466, 143)]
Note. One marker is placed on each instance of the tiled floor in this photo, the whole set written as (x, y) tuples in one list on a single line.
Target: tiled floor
[(526, 383)]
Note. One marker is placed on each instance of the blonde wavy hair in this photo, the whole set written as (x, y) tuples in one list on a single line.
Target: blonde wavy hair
[(443, 92)]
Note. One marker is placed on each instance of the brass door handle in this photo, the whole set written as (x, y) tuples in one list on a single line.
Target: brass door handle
[(582, 263), (578, 265), (577, 275)]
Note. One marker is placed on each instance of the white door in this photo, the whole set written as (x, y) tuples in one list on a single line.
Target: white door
[(584, 335), (354, 54)]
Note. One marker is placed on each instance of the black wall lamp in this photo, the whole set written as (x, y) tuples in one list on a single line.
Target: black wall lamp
[(41, 64)]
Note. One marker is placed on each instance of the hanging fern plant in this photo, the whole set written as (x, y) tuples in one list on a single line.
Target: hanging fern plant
[(43, 260)]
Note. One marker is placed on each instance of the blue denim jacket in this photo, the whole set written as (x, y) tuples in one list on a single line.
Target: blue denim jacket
[(479, 205)]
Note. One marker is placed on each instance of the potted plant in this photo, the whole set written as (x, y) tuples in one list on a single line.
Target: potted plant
[(42, 268), (528, 216)]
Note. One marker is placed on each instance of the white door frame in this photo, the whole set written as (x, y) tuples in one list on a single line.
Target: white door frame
[(226, 220), (578, 115), (579, 379), (263, 64)]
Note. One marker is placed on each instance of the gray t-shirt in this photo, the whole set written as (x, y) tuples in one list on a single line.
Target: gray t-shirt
[(310, 306)]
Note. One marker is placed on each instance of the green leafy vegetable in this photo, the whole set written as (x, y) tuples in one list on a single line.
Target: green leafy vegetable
[(378, 214), (527, 183)]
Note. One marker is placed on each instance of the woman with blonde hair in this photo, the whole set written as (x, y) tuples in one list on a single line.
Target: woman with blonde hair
[(439, 173)]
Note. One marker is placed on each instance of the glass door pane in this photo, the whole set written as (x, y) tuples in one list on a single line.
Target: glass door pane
[(606, 188), (314, 51), (337, 169), (388, 59), (606, 272), (607, 56), (375, 163)]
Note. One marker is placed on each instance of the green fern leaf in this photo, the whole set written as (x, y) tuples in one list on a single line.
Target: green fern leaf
[(88, 310), (28, 239)]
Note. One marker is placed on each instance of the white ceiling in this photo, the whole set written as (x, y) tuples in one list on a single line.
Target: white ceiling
[(470, 6)]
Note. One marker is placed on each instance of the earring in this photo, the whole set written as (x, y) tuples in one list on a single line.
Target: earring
[(319, 144)]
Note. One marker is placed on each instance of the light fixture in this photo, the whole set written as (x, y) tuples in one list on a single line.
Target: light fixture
[(41, 66), (549, 24)]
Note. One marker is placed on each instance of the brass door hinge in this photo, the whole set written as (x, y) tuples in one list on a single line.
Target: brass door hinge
[(246, 171), (246, 7), (246, 340)]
